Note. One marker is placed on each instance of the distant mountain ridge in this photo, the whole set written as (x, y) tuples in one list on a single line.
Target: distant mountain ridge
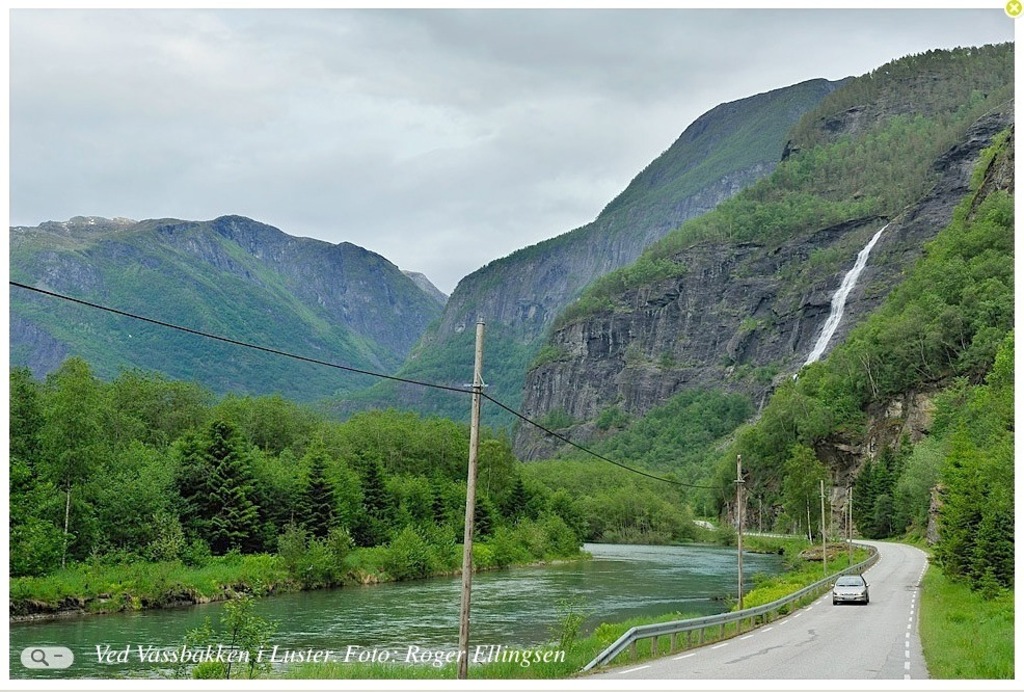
[(231, 276)]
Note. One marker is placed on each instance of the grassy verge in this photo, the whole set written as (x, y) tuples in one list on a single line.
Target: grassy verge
[(98, 588), (965, 636), (800, 573)]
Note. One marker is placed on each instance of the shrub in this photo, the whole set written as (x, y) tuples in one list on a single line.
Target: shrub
[(561, 540), (408, 556)]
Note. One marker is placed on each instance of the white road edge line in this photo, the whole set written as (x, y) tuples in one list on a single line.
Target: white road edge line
[(632, 670), (680, 658), (719, 646)]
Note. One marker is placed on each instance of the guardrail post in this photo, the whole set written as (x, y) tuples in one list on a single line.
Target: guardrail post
[(672, 642), (632, 650)]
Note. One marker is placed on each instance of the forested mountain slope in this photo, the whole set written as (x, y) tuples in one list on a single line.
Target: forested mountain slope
[(915, 410), (735, 299)]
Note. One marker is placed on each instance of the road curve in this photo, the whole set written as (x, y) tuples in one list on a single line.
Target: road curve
[(819, 641)]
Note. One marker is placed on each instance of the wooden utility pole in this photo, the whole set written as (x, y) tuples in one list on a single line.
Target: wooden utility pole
[(824, 556), (467, 540), (849, 522), (739, 530)]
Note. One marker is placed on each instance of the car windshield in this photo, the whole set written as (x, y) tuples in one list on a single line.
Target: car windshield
[(850, 581)]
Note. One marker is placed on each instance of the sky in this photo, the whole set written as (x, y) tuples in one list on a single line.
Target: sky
[(440, 139)]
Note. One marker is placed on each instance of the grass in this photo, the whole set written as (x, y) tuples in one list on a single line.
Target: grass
[(965, 636), (97, 588), (801, 573)]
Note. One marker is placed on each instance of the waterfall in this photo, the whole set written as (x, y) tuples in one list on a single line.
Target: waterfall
[(839, 299)]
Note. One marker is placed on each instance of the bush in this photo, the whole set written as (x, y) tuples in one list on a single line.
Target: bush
[(168, 542), (408, 556), (506, 548), (196, 553), (314, 562), (291, 547), (36, 547), (561, 540)]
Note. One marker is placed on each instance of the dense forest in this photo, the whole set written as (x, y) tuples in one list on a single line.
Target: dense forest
[(146, 469)]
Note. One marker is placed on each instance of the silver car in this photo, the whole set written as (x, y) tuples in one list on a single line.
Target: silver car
[(851, 588)]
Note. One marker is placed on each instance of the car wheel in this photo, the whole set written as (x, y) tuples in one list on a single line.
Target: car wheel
[(835, 602)]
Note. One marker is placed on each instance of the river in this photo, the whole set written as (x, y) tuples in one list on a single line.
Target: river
[(514, 607)]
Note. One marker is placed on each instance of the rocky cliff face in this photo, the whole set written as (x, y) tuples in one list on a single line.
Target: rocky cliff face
[(735, 320), (526, 290)]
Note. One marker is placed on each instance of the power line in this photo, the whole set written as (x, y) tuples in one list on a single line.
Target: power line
[(346, 368), (235, 342), (590, 451)]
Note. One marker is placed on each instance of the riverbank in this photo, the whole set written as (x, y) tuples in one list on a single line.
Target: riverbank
[(96, 589), (571, 652), (513, 609)]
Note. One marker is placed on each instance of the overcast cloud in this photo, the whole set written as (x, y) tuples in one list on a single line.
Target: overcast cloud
[(439, 139)]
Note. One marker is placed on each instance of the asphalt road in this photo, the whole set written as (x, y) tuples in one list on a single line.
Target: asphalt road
[(819, 641)]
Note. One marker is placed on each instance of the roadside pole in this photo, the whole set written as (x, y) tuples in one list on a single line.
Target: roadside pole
[(824, 556), (849, 522), (739, 530), (467, 541)]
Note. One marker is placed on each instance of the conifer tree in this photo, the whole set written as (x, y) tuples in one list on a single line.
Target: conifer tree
[(216, 484), (372, 525), (515, 505), (235, 522), (317, 507)]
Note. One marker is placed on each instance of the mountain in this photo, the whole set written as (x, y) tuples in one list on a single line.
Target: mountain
[(519, 296), (231, 276), (735, 299), (427, 286)]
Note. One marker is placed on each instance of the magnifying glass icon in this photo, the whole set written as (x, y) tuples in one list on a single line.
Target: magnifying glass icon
[(47, 657)]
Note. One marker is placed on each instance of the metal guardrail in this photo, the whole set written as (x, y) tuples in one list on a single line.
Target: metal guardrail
[(700, 625)]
